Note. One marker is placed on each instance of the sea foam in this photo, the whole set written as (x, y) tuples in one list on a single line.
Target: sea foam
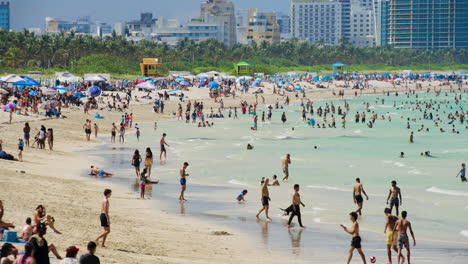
[(447, 192)]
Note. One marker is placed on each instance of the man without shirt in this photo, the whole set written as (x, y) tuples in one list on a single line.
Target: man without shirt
[(358, 190), (356, 240), (402, 227), (265, 200), (285, 163), (392, 236), (395, 195)]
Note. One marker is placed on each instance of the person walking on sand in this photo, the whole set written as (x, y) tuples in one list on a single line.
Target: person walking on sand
[(163, 144), (183, 181), (265, 200), (392, 236), (87, 129), (402, 227), (356, 240), (113, 132), (105, 219), (285, 163), (462, 173), (96, 130), (395, 195), (358, 190), (296, 209)]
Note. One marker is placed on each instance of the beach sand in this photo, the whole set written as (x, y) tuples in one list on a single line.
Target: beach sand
[(140, 233)]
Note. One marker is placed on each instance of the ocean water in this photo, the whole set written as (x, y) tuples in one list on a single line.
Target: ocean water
[(221, 167)]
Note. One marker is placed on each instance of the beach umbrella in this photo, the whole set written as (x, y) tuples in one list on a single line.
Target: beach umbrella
[(94, 91), (326, 78), (179, 79), (213, 85), (48, 104), (33, 93), (94, 78), (184, 83), (146, 85), (49, 91), (9, 106), (299, 88), (3, 91)]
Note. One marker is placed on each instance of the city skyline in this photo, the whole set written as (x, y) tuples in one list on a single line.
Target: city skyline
[(31, 14)]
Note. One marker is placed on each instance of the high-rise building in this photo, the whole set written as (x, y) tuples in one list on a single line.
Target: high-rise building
[(363, 22), (346, 19), (382, 30), (242, 23), (428, 24), (171, 31), (263, 27), (120, 28), (5, 15), (81, 25), (144, 25), (317, 20), (221, 12), (284, 22)]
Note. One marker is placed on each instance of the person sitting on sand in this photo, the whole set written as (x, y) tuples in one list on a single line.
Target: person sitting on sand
[(70, 257), (241, 196), (143, 181), (275, 181), (27, 230), (3, 224), (40, 216), (41, 248), (90, 258), (97, 172)]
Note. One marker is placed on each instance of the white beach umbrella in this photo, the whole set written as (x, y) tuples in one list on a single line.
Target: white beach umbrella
[(11, 78), (146, 85)]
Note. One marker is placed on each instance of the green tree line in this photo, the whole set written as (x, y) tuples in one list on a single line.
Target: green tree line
[(114, 54)]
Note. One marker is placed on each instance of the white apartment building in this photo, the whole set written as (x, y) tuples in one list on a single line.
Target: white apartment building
[(316, 21), (363, 22)]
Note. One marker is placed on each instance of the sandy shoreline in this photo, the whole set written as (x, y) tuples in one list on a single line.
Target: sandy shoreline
[(140, 233)]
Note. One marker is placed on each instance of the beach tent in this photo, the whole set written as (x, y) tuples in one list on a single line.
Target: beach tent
[(146, 85), (326, 78), (316, 78), (11, 78), (67, 77), (95, 78), (94, 91), (26, 81)]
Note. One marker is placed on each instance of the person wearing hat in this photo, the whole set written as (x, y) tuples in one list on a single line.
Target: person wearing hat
[(70, 257)]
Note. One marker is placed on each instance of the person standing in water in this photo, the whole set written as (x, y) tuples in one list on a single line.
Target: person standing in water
[(296, 209), (358, 190), (392, 236), (113, 132), (285, 163), (265, 200), (283, 117), (105, 219), (163, 144), (402, 227), (183, 181), (411, 137), (356, 240), (462, 173), (395, 195)]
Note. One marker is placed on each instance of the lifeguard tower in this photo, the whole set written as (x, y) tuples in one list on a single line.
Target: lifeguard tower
[(338, 67), (243, 68), (150, 67)]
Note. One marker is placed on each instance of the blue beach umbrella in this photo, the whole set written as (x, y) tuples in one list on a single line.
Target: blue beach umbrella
[(94, 91), (33, 93), (299, 88), (213, 85), (184, 83), (316, 78), (78, 95)]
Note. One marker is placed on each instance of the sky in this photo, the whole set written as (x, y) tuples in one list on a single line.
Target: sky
[(32, 13)]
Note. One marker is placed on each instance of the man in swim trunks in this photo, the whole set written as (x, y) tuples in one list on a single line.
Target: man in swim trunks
[(356, 240), (296, 209), (104, 217), (87, 129), (392, 236), (97, 172), (183, 180), (163, 144), (395, 194), (402, 226), (285, 163), (358, 190), (462, 173), (113, 133), (265, 200)]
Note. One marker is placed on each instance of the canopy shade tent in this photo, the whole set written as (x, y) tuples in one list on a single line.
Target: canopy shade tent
[(146, 85), (26, 81), (67, 77), (94, 78), (12, 78)]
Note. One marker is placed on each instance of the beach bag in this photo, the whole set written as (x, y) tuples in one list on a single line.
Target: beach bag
[(10, 236)]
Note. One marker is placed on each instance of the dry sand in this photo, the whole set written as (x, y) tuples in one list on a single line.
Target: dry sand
[(140, 233)]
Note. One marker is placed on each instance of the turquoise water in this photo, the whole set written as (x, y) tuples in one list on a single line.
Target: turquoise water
[(435, 200)]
